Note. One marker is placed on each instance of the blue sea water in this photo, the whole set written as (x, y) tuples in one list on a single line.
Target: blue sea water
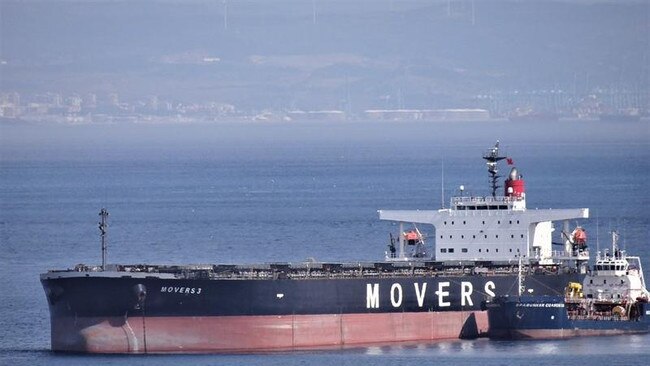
[(287, 192)]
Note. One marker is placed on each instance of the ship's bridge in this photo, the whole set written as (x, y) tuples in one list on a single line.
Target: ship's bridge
[(609, 266), (488, 203)]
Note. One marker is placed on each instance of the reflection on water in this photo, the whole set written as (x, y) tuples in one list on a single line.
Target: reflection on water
[(546, 348), (585, 346)]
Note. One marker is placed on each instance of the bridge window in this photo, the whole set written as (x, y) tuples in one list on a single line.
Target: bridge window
[(522, 236), (496, 236), (517, 221), (499, 222), (452, 222), (512, 236), (443, 250), (451, 250), (462, 236), (464, 222), (464, 250), (510, 222), (473, 236)]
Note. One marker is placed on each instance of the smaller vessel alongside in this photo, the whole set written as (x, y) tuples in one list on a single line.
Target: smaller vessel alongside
[(612, 300)]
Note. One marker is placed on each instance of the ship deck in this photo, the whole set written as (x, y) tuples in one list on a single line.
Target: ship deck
[(306, 270)]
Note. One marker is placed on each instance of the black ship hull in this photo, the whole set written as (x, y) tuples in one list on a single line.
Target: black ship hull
[(125, 312), (547, 317)]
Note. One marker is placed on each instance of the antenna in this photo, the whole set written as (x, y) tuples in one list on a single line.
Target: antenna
[(442, 182), (103, 228), (597, 234), (614, 241), (492, 158)]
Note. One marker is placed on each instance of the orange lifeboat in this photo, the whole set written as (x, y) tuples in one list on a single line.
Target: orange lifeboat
[(580, 236), (412, 237)]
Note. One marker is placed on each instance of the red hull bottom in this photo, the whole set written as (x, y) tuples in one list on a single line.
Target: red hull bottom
[(258, 333)]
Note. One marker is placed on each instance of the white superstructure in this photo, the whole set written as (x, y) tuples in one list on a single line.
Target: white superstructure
[(615, 276), (493, 228)]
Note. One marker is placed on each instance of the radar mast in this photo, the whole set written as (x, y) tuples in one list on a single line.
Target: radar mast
[(492, 158), (103, 228)]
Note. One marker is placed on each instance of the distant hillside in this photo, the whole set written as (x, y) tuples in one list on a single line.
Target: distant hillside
[(322, 54)]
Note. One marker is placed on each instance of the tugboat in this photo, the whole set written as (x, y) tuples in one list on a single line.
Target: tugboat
[(612, 300)]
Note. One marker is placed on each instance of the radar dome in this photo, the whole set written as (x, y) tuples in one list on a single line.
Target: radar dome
[(514, 174)]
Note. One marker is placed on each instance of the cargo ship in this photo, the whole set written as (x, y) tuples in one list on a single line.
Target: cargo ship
[(612, 300), (417, 292)]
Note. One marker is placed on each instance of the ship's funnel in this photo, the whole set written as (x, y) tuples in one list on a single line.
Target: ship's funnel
[(514, 186)]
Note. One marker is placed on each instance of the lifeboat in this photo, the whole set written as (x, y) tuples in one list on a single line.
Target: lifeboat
[(412, 237), (579, 237)]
